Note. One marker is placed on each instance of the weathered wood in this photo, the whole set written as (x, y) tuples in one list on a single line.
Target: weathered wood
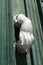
[(2, 33), (8, 53), (6, 32), (21, 59), (37, 48)]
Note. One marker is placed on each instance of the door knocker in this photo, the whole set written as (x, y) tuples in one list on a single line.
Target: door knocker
[(26, 37)]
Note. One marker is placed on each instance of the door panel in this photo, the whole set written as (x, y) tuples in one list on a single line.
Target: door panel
[(8, 51), (37, 48)]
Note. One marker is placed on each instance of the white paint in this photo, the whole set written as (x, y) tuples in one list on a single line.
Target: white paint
[(26, 37)]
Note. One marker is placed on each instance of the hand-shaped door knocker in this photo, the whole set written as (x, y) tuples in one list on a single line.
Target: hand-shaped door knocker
[(26, 37)]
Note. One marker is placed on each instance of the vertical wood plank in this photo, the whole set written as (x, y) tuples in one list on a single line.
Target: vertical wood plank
[(37, 46), (7, 33), (10, 33), (2, 33), (19, 58)]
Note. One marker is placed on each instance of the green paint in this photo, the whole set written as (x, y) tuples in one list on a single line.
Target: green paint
[(8, 53), (18, 7), (37, 46)]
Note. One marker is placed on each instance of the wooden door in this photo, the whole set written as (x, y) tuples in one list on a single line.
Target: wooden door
[(8, 52)]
